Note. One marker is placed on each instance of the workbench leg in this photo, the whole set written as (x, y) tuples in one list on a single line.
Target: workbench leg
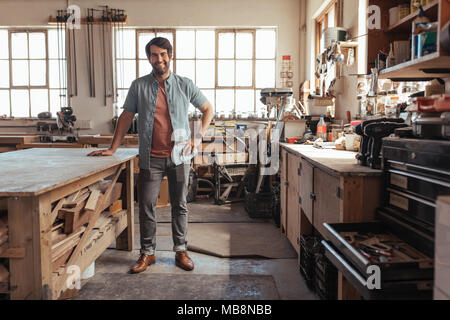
[(345, 290), (125, 241), (30, 277)]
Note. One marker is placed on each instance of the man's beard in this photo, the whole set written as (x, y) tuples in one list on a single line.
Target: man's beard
[(159, 71)]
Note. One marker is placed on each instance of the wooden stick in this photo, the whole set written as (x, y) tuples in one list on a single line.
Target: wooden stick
[(75, 255)]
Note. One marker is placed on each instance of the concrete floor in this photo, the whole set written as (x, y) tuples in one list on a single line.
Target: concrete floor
[(212, 277)]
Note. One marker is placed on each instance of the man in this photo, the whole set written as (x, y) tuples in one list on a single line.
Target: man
[(161, 99)]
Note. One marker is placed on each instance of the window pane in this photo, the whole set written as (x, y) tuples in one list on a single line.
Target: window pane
[(210, 95), (144, 38), (37, 45), (186, 68), (224, 101), (226, 73), (265, 44), (186, 44), (226, 45), (4, 103), (19, 45), (127, 74), (265, 74), (4, 74), (126, 44), (39, 101), (167, 35), (331, 19), (244, 46), (55, 71), (4, 53), (244, 73), (53, 44), (20, 73), (259, 104), (144, 68), (245, 101), (205, 74), (122, 95), (205, 44), (56, 102), (38, 73), (20, 103)]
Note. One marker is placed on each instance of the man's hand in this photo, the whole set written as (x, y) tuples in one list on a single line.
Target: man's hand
[(190, 146), (102, 153)]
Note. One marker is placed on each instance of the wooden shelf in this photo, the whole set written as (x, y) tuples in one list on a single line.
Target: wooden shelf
[(405, 24), (414, 69)]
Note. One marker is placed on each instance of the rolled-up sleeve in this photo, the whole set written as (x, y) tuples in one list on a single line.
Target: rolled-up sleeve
[(131, 101), (197, 98)]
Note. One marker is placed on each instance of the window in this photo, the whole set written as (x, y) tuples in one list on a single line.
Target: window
[(30, 72), (229, 66)]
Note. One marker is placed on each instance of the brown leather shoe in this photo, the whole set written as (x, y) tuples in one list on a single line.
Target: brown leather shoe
[(143, 262), (183, 261)]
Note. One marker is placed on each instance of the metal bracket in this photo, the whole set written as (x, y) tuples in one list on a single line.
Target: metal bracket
[(312, 196), (300, 200)]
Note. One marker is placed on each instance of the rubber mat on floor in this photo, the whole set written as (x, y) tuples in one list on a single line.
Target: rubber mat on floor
[(186, 286), (239, 240), (207, 211)]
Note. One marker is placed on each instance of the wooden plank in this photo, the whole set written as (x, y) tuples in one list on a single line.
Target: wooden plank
[(283, 190), (76, 234), (22, 271), (116, 206), (77, 195), (125, 241), (12, 253), (4, 274), (326, 204), (80, 198), (293, 207), (307, 182), (18, 139), (7, 148), (93, 199), (61, 282)]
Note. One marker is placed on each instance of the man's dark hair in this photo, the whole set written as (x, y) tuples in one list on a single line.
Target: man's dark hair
[(159, 42)]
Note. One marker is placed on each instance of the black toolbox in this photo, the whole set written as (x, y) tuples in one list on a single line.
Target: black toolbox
[(416, 172)]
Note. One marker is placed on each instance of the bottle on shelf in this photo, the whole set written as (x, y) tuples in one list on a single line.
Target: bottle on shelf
[(322, 129), (390, 61)]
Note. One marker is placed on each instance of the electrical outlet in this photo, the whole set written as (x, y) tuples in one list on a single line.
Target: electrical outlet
[(83, 124)]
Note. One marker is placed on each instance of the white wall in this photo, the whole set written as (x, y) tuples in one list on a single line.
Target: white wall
[(284, 14)]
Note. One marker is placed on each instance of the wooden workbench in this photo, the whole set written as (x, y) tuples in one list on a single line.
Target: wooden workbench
[(34, 181), (325, 185)]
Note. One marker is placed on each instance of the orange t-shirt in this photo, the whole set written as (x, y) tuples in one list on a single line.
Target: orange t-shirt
[(162, 143)]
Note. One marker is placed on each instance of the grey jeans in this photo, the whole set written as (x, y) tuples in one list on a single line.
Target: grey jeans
[(149, 184)]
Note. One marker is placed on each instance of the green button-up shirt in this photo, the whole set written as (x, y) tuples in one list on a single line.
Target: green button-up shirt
[(141, 99)]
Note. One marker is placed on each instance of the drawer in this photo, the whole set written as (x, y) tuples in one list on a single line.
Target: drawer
[(400, 266), (412, 206), (409, 289), (418, 185)]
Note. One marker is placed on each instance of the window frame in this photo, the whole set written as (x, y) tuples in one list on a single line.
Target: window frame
[(29, 87), (215, 58), (322, 19)]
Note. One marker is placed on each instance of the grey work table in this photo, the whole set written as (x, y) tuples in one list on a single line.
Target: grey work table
[(34, 183), (32, 172)]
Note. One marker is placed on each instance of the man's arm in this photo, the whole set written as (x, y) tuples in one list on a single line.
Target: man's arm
[(123, 124), (207, 116)]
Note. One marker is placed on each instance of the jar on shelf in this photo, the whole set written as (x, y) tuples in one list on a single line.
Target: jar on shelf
[(391, 106), (381, 102)]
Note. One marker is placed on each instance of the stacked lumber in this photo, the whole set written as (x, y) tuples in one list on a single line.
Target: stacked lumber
[(73, 214)]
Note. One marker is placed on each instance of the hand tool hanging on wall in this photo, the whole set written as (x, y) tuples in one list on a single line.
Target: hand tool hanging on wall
[(91, 58), (68, 49), (72, 60), (58, 25)]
